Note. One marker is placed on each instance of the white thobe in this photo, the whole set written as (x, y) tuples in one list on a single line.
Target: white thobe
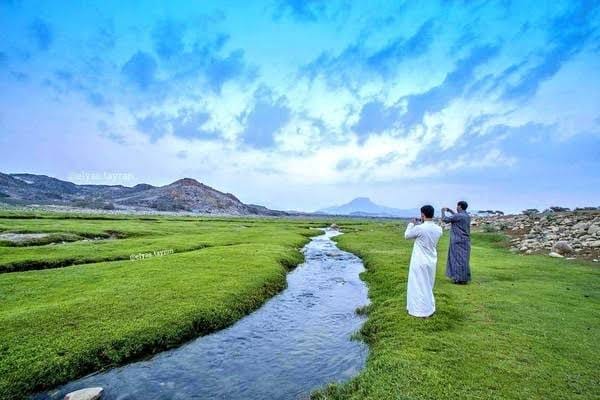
[(421, 274)]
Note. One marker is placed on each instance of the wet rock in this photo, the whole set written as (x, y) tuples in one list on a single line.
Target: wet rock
[(562, 248), (93, 393), (555, 255)]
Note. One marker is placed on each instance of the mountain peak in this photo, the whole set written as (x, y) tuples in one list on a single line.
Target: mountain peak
[(186, 182), (365, 207), (361, 201)]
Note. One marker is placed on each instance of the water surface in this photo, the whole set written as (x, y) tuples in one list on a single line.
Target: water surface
[(297, 342)]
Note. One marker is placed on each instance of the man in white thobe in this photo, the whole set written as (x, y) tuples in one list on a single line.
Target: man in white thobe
[(421, 274)]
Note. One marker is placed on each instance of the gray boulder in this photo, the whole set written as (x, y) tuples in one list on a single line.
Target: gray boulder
[(593, 229), (562, 248), (92, 393), (581, 227)]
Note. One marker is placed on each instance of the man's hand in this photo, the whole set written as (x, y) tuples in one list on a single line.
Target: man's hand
[(416, 221)]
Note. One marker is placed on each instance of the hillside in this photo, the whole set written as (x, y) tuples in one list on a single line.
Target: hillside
[(183, 195)]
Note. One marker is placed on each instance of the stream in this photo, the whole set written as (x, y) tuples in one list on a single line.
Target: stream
[(297, 342)]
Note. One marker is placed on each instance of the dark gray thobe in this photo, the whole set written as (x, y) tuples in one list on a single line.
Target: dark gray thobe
[(459, 251)]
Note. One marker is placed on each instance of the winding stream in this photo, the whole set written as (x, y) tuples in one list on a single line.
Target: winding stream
[(297, 342)]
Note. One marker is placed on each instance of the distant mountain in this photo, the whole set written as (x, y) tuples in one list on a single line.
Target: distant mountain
[(183, 195), (364, 207)]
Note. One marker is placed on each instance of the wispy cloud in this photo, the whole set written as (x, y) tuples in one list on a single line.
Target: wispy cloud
[(321, 96)]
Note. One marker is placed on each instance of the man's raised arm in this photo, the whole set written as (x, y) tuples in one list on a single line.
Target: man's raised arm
[(447, 219), (412, 231)]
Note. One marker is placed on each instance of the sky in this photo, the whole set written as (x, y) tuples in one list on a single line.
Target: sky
[(300, 105)]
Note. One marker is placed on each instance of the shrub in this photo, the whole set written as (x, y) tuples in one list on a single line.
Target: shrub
[(531, 211)]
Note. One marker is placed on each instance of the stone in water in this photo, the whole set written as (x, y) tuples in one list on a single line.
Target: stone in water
[(93, 393)]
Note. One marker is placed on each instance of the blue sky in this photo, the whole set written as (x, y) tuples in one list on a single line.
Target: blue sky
[(304, 104)]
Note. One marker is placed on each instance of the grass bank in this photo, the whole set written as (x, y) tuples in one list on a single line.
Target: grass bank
[(132, 237), (528, 327), (59, 324)]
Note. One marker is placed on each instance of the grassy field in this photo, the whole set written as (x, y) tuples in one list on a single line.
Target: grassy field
[(60, 323), (132, 236), (528, 327)]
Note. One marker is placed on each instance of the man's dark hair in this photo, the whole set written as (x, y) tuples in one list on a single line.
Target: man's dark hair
[(464, 205), (428, 211)]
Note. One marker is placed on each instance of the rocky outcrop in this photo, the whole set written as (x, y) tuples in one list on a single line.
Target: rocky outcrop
[(574, 234)]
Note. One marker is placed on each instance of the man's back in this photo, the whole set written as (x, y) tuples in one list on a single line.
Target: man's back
[(461, 226), (459, 251), (426, 237), (420, 301)]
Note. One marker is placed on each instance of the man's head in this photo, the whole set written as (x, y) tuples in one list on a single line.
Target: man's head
[(427, 212), (462, 206)]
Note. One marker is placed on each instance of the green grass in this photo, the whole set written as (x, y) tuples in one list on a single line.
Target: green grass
[(527, 327), (137, 236), (61, 323)]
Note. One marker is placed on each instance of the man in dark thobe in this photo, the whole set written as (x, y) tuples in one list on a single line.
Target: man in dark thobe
[(459, 252)]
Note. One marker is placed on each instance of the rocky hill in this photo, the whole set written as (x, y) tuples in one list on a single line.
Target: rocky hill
[(183, 195), (574, 234)]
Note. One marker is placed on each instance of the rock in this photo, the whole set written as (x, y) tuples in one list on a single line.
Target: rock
[(334, 226), (567, 234), (93, 393), (581, 226), (555, 255), (593, 230), (562, 248)]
